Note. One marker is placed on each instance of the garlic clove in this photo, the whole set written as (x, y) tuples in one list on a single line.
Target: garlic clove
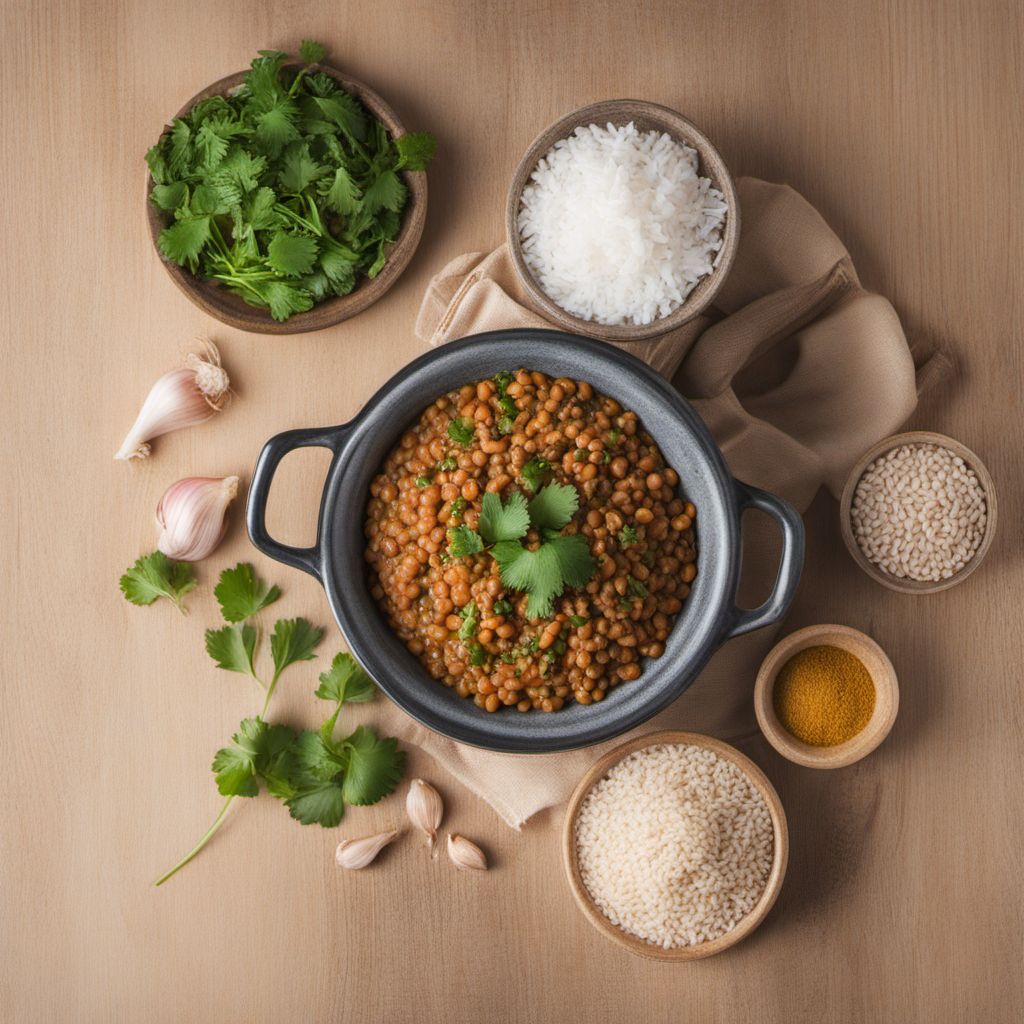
[(425, 809), (354, 854), (178, 399), (192, 516), (464, 854)]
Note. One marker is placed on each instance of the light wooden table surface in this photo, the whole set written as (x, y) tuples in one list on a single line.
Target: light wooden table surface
[(900, 121)]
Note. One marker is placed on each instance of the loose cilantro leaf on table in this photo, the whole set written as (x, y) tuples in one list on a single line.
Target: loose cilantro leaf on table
[(293, 640), (241, 593), (154, 576), (346, 682), (254, 750), (233, 648), (286, 191)]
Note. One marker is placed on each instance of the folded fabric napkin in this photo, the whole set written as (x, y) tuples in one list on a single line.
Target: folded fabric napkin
[(797, 370)]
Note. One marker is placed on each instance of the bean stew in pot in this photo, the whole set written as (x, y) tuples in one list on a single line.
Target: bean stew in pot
[(527, 542)]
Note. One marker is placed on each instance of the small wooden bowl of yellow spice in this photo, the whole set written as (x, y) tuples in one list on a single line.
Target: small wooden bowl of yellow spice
[(826, 696)]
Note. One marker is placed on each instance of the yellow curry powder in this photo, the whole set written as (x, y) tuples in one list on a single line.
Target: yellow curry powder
[(824, 696)]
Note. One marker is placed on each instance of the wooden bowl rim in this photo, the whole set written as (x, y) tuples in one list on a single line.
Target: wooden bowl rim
[(679, 127), (887, 444), (780, 856), (883, 675), (222, 307)]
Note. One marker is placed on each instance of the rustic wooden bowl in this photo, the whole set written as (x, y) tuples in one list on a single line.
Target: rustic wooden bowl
[(887, 697), (646, 117), (772, 887), (906, 586), (231, 309)]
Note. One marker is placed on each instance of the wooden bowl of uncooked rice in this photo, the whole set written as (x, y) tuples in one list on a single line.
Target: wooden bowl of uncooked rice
[(918, 512), (622, 221), (675, 845)]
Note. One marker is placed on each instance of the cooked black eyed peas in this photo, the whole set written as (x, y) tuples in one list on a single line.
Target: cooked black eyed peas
[(519, 432)]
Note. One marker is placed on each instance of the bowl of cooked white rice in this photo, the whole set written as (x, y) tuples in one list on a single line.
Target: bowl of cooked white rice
[(675, 845), (622, 221)]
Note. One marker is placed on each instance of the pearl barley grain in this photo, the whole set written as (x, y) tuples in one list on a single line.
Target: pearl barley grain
[(675, 845), (919, 513)]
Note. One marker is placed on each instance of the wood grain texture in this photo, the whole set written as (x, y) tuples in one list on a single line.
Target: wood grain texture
[(899, 119)]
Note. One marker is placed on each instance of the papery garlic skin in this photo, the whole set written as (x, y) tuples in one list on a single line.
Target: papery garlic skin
[(355, 854), (464, 854), (181, 398), (425, 808), (192, 516)]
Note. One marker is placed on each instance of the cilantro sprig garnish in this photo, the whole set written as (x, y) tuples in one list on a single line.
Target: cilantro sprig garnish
[(314, 773), (285, 191), (155, 576), (560, 561)]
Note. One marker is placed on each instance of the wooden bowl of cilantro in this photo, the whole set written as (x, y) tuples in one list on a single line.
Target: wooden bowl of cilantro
[(287, 198)]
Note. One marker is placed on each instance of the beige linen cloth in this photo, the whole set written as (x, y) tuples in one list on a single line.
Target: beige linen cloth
[(796, 371)]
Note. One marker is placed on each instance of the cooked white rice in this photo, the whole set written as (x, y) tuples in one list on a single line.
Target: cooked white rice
[(675, 845), (617, 226)]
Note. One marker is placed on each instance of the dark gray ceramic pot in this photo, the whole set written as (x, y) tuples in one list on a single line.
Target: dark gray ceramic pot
[(709, 616)]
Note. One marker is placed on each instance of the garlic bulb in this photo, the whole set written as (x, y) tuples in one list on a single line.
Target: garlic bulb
[(179, 399), (354, 854), (192, 516), (465, 855), (425, 809)]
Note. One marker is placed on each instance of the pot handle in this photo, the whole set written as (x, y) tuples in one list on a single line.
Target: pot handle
[(792, 561), (306, 559)]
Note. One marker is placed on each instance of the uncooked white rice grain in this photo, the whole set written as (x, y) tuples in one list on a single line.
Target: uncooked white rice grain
[(617, 226), (919, 513), (675, 845)]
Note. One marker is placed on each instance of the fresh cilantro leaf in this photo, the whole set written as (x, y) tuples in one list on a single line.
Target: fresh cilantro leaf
[(533, 473), (461, 431), (635, 587), (317, 803), (293, 640), (574, 559), (506, 425), (346, 682), (627, 536), (344, 194), (458, 506), (463, 541), (312, 52), (477, 654), (578, 620), (276, 128), (293, 255), (299, 170), (180, 146), (386, 192), (283, 300), (553, 506), (469, 621), (374, 769), (343, 112), (538, 573), (153, 576), (315, 756), (503, 522), (415, 150), (183, 241), (254, 747), (233, 648), (241, 593), (448, 464), (170, 197), (503, 607)]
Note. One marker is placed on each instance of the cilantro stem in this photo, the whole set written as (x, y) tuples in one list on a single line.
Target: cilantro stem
[(207, 836)]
